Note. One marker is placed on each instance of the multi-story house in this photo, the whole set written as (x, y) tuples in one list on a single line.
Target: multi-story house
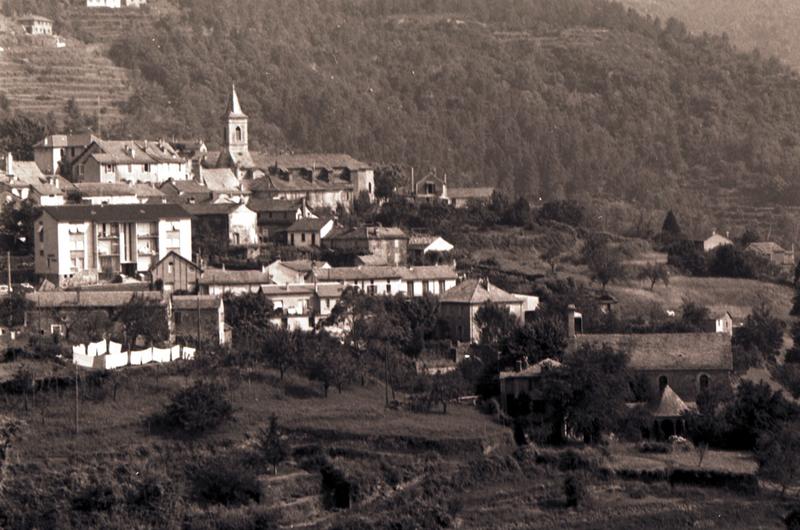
[(275, 216), (108, 239), (57, 151), (129, 161), (36, 25), (389, 243)]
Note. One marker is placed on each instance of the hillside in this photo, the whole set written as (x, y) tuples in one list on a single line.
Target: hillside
[(769, 26), (38, 78), (542, 98)]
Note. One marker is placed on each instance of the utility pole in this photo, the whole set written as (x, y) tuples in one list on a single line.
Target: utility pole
[(198, 318), (8, 260), (386, 375), (76, 400)]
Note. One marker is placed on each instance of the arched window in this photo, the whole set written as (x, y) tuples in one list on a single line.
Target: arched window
[(238, 134), (704, 382), (662, 382)]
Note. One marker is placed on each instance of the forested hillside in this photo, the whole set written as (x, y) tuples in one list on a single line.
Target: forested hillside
[(544, 98), (767, 25)]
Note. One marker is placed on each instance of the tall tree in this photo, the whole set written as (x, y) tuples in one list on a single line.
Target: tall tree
[(271, 444)]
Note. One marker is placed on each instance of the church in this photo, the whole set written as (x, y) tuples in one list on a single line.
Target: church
[(322, 180)]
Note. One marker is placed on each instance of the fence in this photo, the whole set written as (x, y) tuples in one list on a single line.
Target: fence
[(108, 355)]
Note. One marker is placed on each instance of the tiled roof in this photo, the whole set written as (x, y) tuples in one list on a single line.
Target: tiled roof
[(766, 247), (294, 289), (329, 290), (144, 152), (470, 193), (669, 405), (371, 259), (309, 161), (472, 292), (341, 274), (420, 241), (174, 255), (302, 265), (225, 208), (371, 232), (429, 272), (187, 302), (272, 205), (668, 351), (308, 224), (295, 183), (533, 370), (184, 186), (90, 298), (234, 277), (66, 140), (221, 180), (101, 189), (34, 18), (115, 213)]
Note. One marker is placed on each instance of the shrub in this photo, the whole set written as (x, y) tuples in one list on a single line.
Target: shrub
[(195, 410), (227, 480), (574, 491), (792, 520), (655, 447)]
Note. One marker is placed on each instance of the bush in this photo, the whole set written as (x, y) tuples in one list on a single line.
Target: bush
[(574, 491), (195, 410), (792, 520), (227, 480), (655, 447)]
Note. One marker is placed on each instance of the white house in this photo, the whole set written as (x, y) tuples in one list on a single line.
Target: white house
[(117, 193), (25, 181), (388, 280), (714, 241), (36, 25), (218, 282), (108, 239), (129, 161), (308, 232)]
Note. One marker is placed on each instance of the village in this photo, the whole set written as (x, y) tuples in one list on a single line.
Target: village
[(339, 342)]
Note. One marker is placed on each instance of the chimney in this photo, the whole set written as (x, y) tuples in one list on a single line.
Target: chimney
[(10, 165), (46, 141)]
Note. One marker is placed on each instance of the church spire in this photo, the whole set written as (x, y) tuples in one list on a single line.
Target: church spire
[(234, 108)]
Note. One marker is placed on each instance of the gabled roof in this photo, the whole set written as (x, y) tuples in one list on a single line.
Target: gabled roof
[(766, 247), (309, 161), (308, 224), (234, 277), (668, 351), (193, 302), (342, 274), (371, 260), (470, 193), (221, 180), (135, 152), (295, 183), (105, 213), (370, 232), (273, 205), (34, 18), (421, 241), (224, 208), (303, 265), (117, 189), (429, 272), (473, 292), (174, 255), (329, 290), (184, 186), (90, 299)]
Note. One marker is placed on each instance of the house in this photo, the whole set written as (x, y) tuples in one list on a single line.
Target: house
[(186, 191), (24, 181), (387, 242), (294, 271), (462, 197), (308, 232), (715, 240), (129, 160), (199, 319), (276, 215), (36, 25), (218, 282), (459, 305), (430, 279), (721, 322), (58, 151), (381, 280), (54, 312), (687, 362), (176, 274), (108, 239), (116, 193), (115, 4), (421, 244), (776, 254), (430, 188), (223, 183), (523, 381), (300, 307), (230, 224)]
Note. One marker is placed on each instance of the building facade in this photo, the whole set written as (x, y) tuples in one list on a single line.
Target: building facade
[(388, 243), (129, 161), (460, 304)]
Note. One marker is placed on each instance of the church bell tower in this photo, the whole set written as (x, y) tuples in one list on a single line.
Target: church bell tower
[(235, 153)]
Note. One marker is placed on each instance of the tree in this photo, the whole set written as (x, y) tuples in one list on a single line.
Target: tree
[(588, 393), (686, 256), (75, 121), (654, 272), (90, 327), (755, 411), (694, 316), (496, 324), (195, 410), (328, 363), (762, 332), (142, 318), (248, 314), (387, 180), (778, 455), (279, 348), (13, 308), (519, 213), (446, 387), (552, 247), (670, 229), (542, 338), (16, 225), (795, 310), (604, 261), (271, 445), (729, 261), (793, 354), (747, 237), (567, 212)]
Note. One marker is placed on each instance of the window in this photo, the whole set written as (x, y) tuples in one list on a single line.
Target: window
[(41, 234), (169, 268), (55, 329), (238, 134), (303, 237), (426, 287), (369, 187), (410, 288), (313, 238), (388, 287), (442, 288), (147, 168), (430, 188), (371, 288), (704, 382), (662, 382), (109, 168)]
